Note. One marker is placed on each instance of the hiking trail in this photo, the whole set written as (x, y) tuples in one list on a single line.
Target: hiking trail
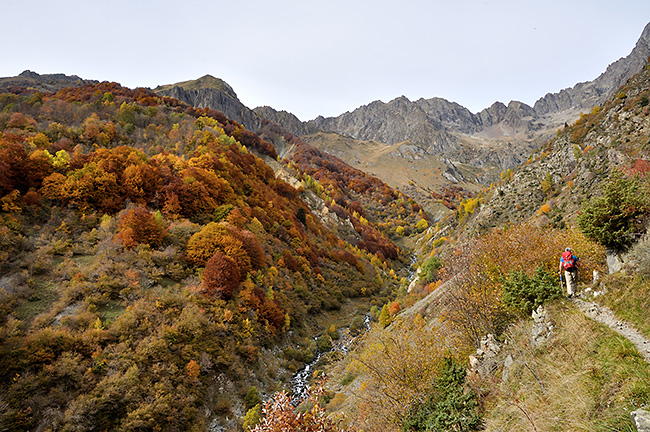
[(604, 315)]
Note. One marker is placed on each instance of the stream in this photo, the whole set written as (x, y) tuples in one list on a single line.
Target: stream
[(300, 380)]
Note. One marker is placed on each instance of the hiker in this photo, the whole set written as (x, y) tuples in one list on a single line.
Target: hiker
[(569, 263)]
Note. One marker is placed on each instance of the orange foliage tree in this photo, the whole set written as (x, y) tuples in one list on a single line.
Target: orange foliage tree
[(138, 225), (280, 415), (247, 254)]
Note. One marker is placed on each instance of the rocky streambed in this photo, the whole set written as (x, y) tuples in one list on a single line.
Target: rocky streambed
[(300, 380)]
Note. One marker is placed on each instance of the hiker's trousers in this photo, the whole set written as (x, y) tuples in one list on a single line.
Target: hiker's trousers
[(571, 278)]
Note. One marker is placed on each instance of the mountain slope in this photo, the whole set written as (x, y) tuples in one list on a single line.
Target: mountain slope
[(154, 269), (570, 169)]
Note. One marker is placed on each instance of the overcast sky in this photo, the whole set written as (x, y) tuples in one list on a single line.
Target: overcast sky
[(329, 56)]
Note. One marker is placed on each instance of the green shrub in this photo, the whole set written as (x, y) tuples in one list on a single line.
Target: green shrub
[(324, 343), (252, 417), (614, 218), (252, 398), (448, 407), (430, 269), (523, 294)]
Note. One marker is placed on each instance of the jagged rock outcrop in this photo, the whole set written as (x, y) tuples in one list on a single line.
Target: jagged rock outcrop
[(437, 126), (393, 122), (588, 94), (285, 119), (449, 114), (486, 360), (641, 420), (542, 327), (43, 83)]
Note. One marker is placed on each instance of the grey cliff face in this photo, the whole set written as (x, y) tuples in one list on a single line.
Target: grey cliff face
[(287, 120), (393, 122), (218, 100)]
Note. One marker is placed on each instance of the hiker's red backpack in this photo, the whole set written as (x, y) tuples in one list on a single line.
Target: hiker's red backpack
[(567, 261)]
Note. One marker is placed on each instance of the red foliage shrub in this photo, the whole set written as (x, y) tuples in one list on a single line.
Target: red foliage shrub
[(20, 121), (639, 166), (221, 276), (290, 261), (285, 189), (18, 170), (351, 259)]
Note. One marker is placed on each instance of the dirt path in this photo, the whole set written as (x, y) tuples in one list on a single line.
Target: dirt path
[(605, 316)]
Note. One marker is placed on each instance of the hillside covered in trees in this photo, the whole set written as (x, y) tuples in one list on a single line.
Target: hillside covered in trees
[(154, 269)]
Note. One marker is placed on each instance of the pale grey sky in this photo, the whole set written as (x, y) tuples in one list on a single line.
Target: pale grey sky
[(330, 56)]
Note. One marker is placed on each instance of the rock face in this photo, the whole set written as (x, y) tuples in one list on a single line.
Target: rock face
[(486, 359), (542, 327), (220, 100), (287, 120), (586, 95), (43, 83)]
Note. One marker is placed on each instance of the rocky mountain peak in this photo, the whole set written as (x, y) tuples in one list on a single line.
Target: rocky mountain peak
[(214, 93), (44, 83), (206, 82), (29, 74)]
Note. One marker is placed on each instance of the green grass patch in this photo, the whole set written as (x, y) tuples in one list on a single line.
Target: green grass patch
[(83, 261), (110, 311), (42, 298)]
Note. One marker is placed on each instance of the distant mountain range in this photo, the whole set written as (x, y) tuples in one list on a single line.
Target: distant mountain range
[(43, 83), (439, 128)]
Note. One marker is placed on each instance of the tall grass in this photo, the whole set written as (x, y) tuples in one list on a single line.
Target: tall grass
[(584, 378)]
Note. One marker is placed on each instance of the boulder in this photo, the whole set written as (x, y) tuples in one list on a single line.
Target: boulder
[(641, 420)]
